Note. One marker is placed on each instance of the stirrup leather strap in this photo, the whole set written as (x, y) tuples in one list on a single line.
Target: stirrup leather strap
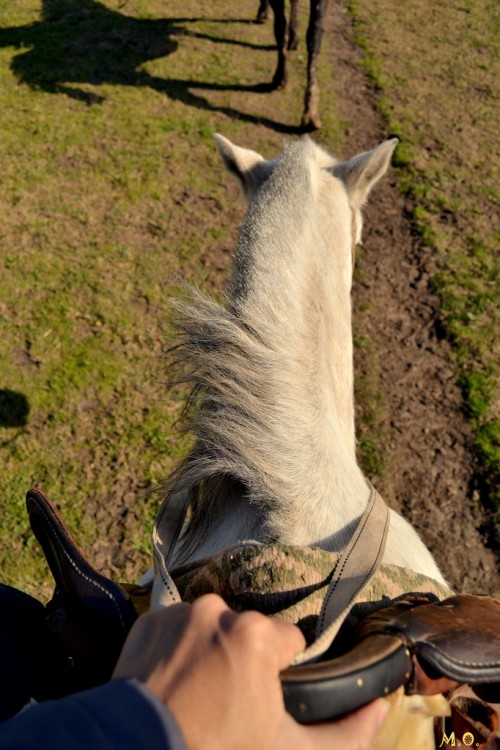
[(166, 531), (356, 566)]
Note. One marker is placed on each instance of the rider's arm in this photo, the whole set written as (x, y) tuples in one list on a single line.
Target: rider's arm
[(208, 675), (121, 715)]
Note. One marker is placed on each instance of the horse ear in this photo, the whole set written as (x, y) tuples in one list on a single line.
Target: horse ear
[(361, 172), (248, 166)]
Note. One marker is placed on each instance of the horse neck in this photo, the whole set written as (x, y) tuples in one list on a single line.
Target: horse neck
[(292, 287), (277, 371), (300, 309)]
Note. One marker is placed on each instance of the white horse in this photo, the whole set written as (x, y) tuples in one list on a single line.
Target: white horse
[(272, 371)]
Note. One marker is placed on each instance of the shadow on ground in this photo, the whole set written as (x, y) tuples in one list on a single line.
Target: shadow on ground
[(84, 42), (14, 409)]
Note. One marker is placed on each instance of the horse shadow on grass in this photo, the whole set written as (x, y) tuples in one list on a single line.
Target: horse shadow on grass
[(84, 42)]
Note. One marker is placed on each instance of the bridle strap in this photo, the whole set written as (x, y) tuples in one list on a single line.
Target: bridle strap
[(166, 531), (354, 569)]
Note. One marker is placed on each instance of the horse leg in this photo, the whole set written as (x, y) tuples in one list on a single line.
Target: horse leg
[(280, 33), (310, 118), (293, 41), (263, 12)]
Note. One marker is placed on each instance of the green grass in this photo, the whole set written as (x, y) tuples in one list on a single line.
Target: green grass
[(110, 186), (436, 70)]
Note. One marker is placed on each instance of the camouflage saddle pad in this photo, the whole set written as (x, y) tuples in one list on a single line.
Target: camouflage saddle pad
[(290, 582)]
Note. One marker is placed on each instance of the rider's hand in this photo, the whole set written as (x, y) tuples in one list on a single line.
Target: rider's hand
[(218, 673)]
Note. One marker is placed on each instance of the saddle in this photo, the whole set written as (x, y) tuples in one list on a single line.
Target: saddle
[(415, 642)]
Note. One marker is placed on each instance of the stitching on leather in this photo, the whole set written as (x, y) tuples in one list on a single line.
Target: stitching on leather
[(170, 545), (165, 576), (449, 660), (327, 636), (358, 533), (75, 566)]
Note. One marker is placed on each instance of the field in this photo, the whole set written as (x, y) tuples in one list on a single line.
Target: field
[(110, 186)]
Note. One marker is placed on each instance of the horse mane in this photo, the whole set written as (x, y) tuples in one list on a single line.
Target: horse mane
[(229, 371)]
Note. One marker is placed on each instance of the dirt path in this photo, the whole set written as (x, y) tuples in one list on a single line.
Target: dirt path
[(427, 443)]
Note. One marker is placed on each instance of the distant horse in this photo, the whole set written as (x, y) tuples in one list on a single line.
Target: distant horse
[(272, 371), (286, 39)]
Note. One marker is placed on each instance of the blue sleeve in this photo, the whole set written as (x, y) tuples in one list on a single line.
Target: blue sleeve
[(121, 715)]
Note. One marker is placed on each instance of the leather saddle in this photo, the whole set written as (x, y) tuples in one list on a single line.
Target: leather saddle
[(426, 645), (73, 642)]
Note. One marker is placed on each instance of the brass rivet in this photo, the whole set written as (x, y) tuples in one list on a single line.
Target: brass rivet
[(386, 690), (359, 681)]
